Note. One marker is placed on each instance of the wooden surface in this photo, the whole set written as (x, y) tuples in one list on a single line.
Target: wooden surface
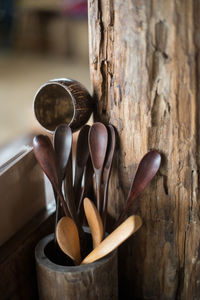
[(22, 192), (17, 264), (144, 62), (63, 101)]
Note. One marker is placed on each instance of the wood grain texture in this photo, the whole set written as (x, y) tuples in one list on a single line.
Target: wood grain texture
[(144, 62), (22, 192), (62, 101), (88, 282), (17, 265)]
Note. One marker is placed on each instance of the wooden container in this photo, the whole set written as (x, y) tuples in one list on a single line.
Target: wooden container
[(62, 101), (98, 280)]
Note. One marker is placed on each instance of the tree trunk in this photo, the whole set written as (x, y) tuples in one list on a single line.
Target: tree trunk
[(144, 62)]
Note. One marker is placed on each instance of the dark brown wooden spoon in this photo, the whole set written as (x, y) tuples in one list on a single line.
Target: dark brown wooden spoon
[(46, 157), (98, 139), (82, 154), (107, 169), (62, 145), (62, 141), (146, 170)]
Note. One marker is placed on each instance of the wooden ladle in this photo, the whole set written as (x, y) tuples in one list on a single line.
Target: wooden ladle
[(46, 157), (147, 169), (68, 238), (98, 139), (94, 222), (113, 240)]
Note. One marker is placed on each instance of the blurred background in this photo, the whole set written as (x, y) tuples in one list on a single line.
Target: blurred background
[(39, 40)]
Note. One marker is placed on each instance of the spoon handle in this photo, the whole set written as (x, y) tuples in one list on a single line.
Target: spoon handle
[(98, 191), (64, 205), (59, 213), (88, 189), (104, 209), (77, 184), (69, 193)]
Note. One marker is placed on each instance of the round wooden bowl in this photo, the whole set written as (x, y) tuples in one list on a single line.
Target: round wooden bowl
[(58, 278), (62, 101)]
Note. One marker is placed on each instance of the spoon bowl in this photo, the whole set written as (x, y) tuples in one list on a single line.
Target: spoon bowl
[(46, 157), (94, 222), (147, 169), (68, 239), (62, 145)]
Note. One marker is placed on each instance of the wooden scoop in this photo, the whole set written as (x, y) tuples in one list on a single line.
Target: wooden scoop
[(68, 238), (94, 221), (116, 238)]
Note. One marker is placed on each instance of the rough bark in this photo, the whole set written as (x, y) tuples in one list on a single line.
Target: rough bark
[(144, 62)]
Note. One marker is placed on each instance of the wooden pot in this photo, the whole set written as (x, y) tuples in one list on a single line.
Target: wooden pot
[(62, 101), (59, 279)]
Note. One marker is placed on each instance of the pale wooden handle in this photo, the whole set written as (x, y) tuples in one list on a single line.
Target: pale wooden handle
[(116, 238)]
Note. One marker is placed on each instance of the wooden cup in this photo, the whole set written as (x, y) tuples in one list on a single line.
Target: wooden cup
[(98, 280), (62, 101)]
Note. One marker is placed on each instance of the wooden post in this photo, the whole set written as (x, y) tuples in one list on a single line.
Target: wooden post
[(144, 62)]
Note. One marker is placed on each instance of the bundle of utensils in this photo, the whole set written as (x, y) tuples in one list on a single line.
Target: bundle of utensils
[(72, 188)]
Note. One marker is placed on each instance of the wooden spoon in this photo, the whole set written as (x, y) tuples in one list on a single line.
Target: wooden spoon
[(82, 154), (113, 240), (68, 238), (107, 169), (63, 148), (147, 169), (46, 157), (62, 145), (98, 139), (94, 222)]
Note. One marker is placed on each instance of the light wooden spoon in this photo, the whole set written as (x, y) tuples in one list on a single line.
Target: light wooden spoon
[(94, 222), (68, 238), (113, 240)]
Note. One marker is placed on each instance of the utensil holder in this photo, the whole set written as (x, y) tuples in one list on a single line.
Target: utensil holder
[(62, 101), (63, 280)]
